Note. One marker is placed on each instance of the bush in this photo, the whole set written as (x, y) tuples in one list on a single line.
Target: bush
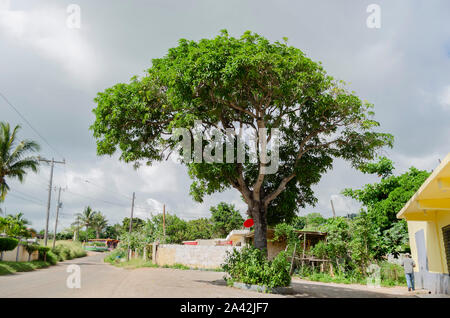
[(392, 274), (65, 250), (8, 243), (96, 244), (46, 254), (115, 256), (250, 266)]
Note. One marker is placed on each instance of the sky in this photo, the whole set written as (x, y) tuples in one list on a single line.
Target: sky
[(51, 71)]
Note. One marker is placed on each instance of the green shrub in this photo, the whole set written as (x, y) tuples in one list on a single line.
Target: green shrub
[(66, 250), (250, 266), (115, 256), (46, 254), (392, 274), (8, 243)]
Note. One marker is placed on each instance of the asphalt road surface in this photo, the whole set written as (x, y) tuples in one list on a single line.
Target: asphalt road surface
[(98, 279)]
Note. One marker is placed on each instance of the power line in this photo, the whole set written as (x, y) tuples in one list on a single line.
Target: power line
[(90, 182), (29, 124), (85, 196), (30, 196), (26, 199)]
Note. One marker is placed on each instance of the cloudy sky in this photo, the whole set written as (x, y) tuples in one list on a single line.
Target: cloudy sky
[(51, 72)]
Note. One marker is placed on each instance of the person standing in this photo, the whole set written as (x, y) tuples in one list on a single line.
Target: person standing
[(408, 265)]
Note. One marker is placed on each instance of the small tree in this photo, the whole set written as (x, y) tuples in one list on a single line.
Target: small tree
[(30, 248), (383, 200), (99, 224), (225, 218), (7, 244)]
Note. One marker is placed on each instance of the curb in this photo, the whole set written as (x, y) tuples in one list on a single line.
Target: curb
[(263, 289)]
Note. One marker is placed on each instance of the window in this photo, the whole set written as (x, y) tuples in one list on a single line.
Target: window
[(446, 235)]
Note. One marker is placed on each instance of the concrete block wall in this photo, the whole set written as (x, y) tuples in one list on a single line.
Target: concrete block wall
[(192, 255), (11, 256)]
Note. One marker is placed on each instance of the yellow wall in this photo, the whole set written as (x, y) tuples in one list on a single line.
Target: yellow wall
[(434, 241)]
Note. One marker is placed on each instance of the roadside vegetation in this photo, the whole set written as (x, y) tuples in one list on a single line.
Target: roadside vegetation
[(250, 266), (357, 242), (13, 267), (64, 250)]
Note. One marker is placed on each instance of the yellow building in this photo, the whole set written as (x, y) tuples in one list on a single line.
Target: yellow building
[(428, 217)]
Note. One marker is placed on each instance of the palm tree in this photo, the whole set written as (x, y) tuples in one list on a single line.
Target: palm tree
[(15, 225), (13, 159), (99, 224), (86, 218), (76, 225)]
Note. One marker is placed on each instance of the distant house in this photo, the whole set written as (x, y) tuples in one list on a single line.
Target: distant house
[(428, 217), (309, 238)]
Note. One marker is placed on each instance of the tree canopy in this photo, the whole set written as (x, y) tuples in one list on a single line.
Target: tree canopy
[(383, 200), (241, 84), (225, 218)]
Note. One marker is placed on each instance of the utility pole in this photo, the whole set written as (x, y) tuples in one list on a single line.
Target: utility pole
[(52, 164), (57, 213), (131, 227), (164, 220), (332, 207)]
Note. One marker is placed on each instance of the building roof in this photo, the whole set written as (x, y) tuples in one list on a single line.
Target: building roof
[(433, 195), (309, 234)]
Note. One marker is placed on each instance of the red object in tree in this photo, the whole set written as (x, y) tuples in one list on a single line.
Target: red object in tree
[(248, 223)]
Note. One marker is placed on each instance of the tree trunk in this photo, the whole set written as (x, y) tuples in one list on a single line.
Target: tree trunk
[(97, 234), (260, 225)]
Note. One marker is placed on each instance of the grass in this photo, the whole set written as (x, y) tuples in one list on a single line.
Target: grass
[(13, 267), (390, 275), (66, 250)]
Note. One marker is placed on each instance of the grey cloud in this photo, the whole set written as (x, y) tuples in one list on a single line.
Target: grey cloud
[(402, 68)]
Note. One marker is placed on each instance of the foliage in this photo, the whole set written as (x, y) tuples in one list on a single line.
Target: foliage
[(13, 267), (338, 238), (396, 239), (250, 266), (363, 242), (383, 167), (284, 231), (14, 161), (31, 247), (390, 275), (101, 244), (115, 256), (314, 221), (241, 83), (299, 222), (137, 224), (113, 231), (45, 254), (199, 229), (225, 218), (8, 243), (99, 224), (66, 250), (85, 218), (382, 201), (15, 225)]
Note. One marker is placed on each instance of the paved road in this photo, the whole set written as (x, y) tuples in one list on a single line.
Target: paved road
[(103, 280)]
